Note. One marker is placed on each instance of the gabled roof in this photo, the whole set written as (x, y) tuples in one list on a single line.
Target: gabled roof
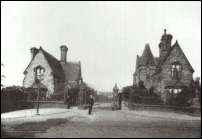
[(137, 61), (72, 71), (165, 58), (147, 57), (53, 63)]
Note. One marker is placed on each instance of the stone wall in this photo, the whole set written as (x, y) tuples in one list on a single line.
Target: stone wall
[(160, 80), (144, 74), (186, 73), (48, 81)]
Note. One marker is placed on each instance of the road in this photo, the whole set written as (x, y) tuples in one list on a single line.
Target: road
[(105, 123)]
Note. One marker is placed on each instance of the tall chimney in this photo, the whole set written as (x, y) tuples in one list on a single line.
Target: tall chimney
[(33, 50), (64, 50), (165, 44)]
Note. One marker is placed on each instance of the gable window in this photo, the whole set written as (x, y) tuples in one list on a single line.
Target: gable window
[(39, 72), (176, 69)]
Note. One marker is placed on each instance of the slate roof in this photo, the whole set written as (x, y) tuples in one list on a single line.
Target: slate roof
[(147, 57), (137, 61), (70, 71), (161, 61), (54, 64)]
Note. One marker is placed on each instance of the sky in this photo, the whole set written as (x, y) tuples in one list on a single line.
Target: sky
[(104, 36)]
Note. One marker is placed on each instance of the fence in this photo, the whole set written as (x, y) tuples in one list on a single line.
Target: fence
[(145, 99), (14, 100), (187, 109)]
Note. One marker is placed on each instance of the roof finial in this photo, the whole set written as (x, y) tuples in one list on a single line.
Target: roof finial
[(164, 31)]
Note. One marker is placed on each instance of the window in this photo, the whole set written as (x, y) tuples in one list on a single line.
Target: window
[(176, 69), (39, 72), (174, 92), (147, 73)]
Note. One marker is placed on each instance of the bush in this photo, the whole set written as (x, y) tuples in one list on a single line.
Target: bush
[(14, 98), (139, 94)]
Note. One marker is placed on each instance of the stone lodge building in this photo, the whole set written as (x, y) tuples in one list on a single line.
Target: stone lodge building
[(58, 74), (167, 73)]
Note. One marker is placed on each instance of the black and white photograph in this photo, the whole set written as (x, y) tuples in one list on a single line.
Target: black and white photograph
[(100, 69)]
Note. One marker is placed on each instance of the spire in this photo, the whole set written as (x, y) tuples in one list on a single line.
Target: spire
[(115, 89), (147, 56), (137, 61), (176, 43)]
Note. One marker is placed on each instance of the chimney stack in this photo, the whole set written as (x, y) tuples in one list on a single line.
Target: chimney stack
[(64, 50), (165, 43), (33, 50)]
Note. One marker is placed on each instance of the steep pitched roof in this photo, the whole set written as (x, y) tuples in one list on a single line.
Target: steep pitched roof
[(37, 50), (137, 61), (72, 71), (174, 46), (147, 57), (53, 63)]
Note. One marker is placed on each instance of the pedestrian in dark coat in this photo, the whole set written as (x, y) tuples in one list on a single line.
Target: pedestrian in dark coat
[(68, 101), (91, 102)]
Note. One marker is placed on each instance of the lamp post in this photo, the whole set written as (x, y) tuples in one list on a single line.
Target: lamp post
[(39, 72), (115, 95)]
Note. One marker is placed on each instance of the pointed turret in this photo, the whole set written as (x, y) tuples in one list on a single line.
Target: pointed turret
[(147, 56)]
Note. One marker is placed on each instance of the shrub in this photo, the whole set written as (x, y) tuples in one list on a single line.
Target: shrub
[(14, 98)]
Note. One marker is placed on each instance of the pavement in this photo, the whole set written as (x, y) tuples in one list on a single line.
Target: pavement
[(105, 123)]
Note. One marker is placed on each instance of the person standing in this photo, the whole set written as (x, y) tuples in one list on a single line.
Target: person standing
[(68, 102), (120, 100), (91, 102)]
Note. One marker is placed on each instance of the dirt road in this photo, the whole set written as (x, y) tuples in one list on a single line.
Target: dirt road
[(105, 123)]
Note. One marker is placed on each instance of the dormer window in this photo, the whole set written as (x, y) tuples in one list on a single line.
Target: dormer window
[(176, 69)]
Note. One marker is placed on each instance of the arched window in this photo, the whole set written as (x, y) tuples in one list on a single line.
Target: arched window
[(39, 72), (176, 69)]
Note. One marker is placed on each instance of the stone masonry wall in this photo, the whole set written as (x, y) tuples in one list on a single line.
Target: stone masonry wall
[(48, 81), (144, 74), (186, 74)]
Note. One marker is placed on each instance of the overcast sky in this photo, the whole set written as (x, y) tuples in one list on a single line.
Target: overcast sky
[(104, 36)]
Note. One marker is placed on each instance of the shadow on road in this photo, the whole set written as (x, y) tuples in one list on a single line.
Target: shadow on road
[(29, 129)]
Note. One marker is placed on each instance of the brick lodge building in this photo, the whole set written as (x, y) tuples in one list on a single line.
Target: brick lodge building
[(167, 73), (59, 75)]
